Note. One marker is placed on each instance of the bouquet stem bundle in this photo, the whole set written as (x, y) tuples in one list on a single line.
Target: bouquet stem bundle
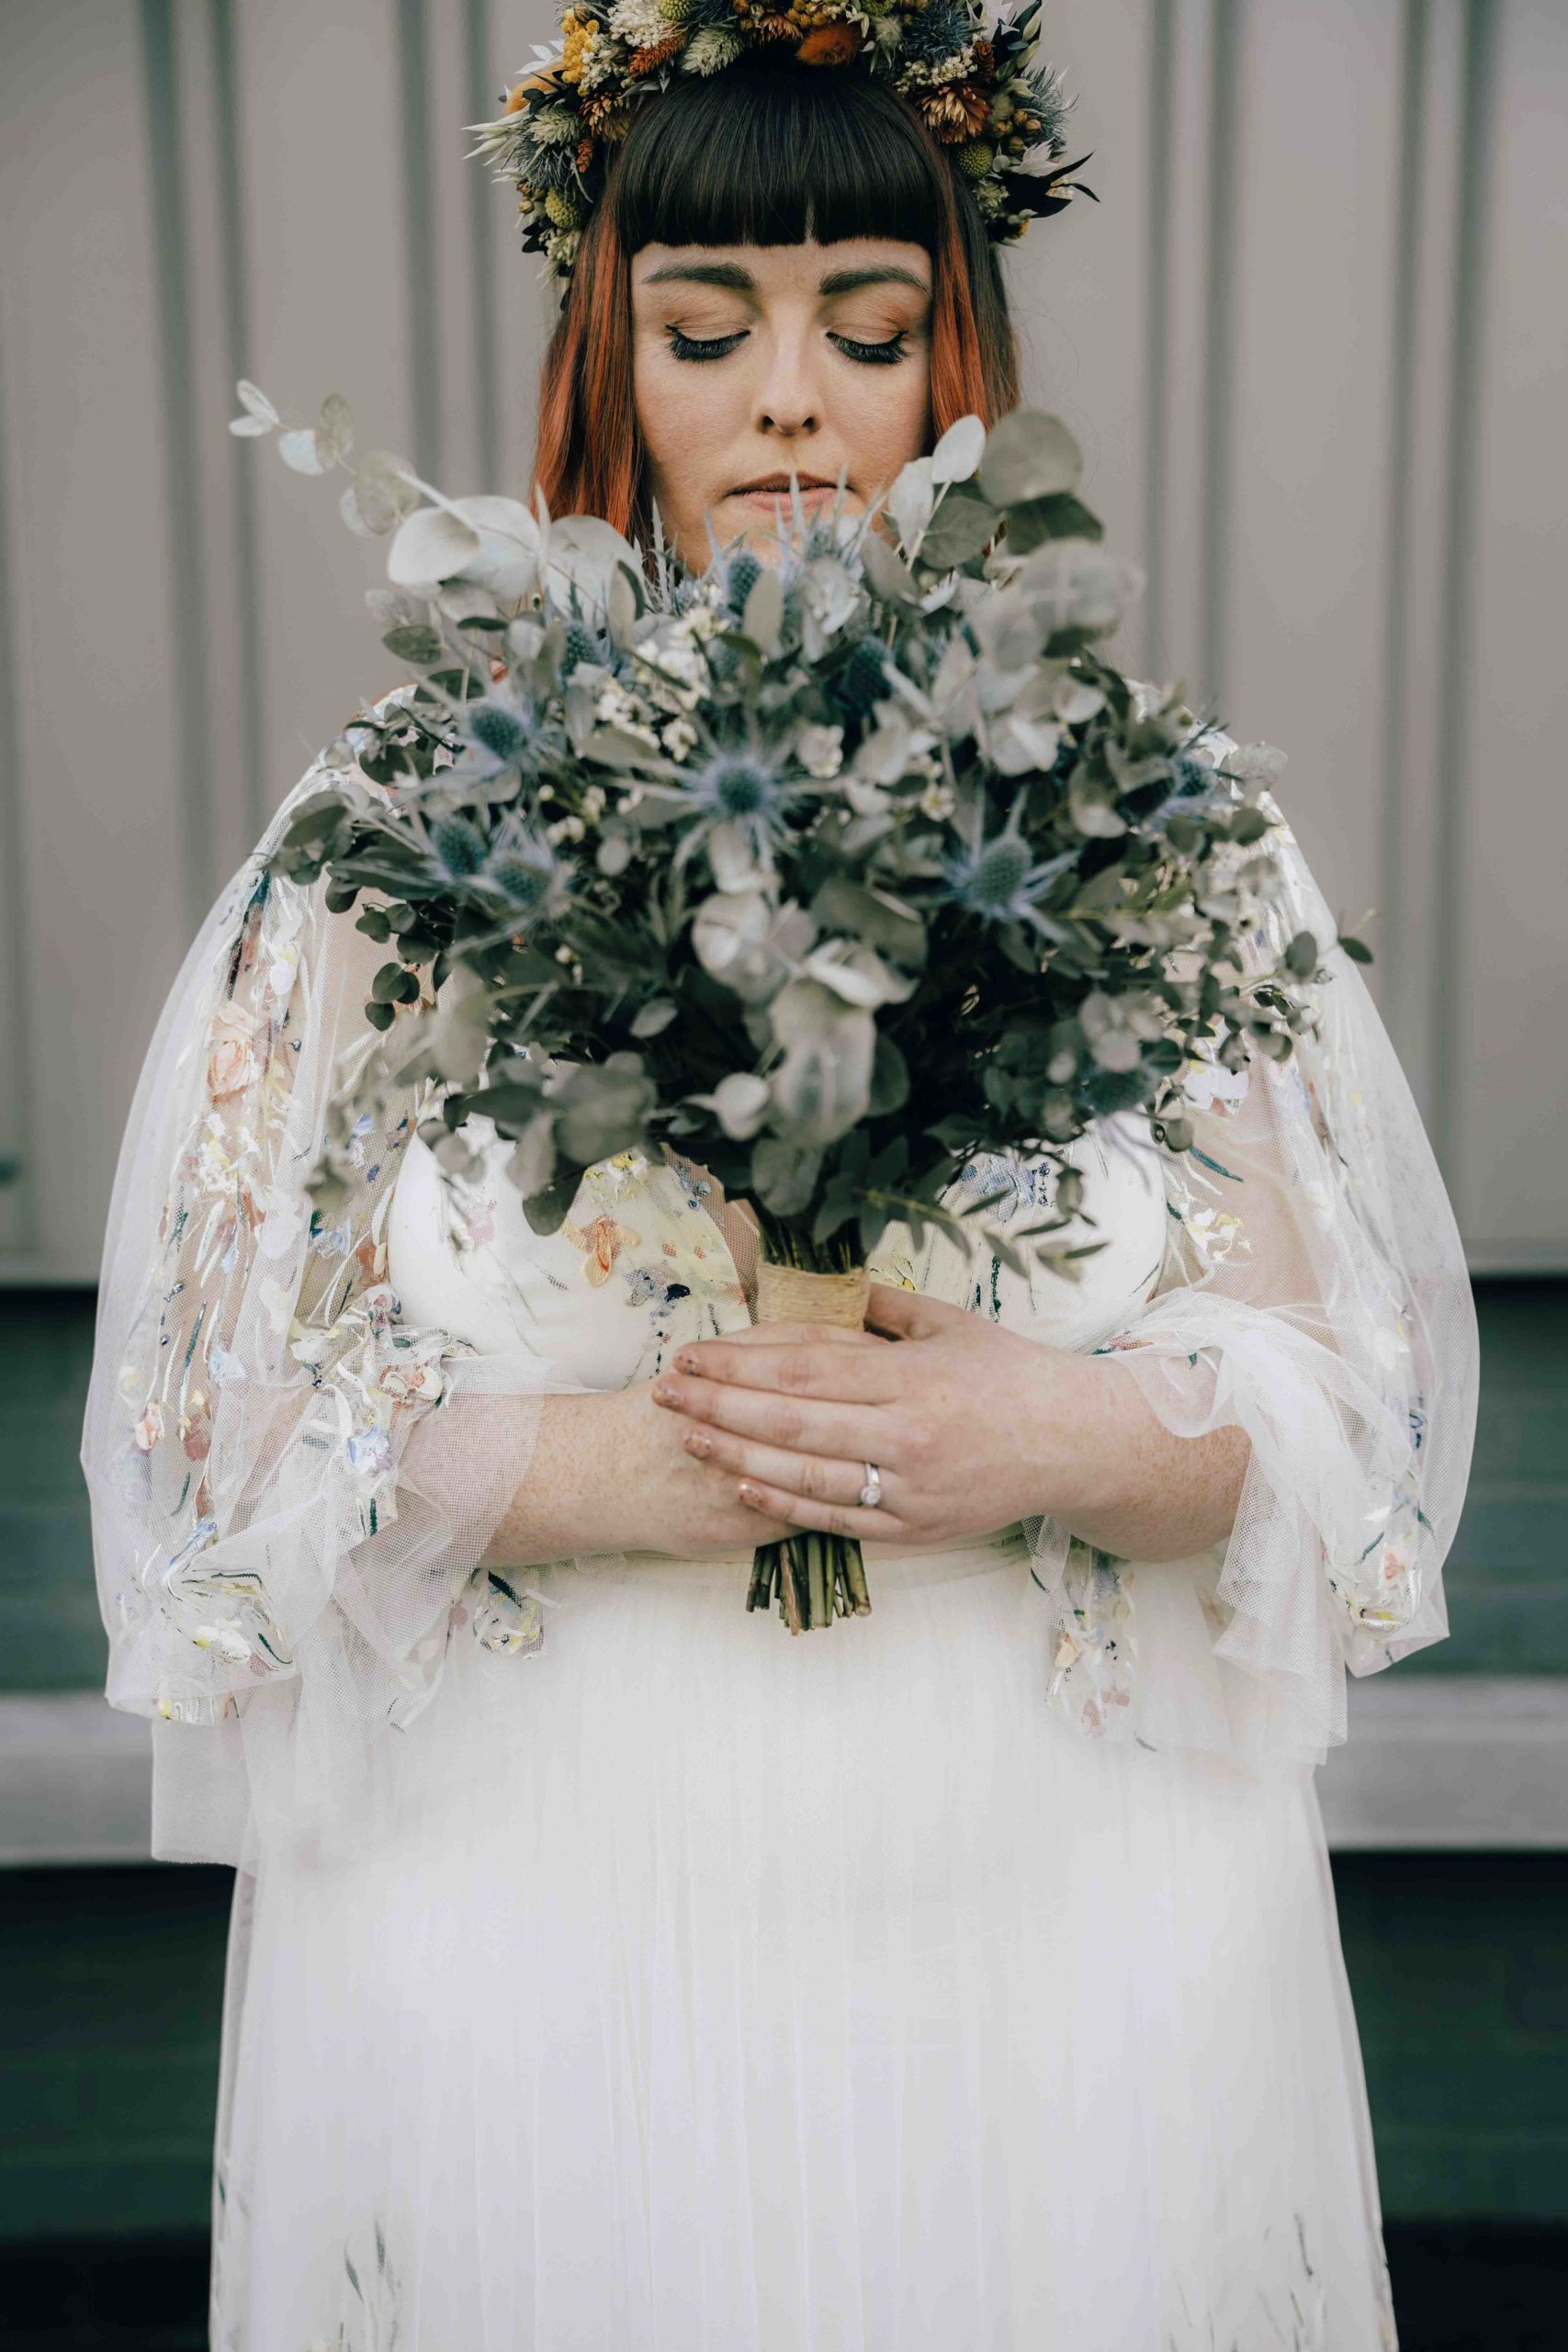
[(813, 1578)]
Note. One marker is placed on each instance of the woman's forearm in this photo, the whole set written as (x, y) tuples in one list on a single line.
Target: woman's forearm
[(1137, 1490), (609, 1474), (570, 1498)]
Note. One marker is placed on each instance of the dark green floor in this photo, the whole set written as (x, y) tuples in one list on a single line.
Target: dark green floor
[(110, 1981)]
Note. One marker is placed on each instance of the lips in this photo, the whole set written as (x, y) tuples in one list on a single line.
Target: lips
[(765, 483)]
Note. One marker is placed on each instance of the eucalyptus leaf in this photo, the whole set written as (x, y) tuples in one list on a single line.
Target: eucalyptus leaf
[(297, 450), (959, 451), (1029, 455), (959, 529), (411, 642), (383, 491), (431, 547), (783, 1175), (334, 430), (762, 619), (254, 401)]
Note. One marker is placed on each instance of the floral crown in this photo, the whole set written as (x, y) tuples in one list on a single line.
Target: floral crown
[(977, 87)]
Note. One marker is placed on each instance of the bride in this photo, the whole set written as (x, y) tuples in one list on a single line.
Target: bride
[(608, 1972)]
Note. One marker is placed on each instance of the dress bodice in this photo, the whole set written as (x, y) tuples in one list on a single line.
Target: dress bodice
[(641, 1264)]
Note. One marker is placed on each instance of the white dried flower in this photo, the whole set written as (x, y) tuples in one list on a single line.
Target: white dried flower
[(821, 750)]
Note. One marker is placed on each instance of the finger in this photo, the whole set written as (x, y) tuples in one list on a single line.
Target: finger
[(822, 1518), (803, 1368), (900, 1313), (793, 1335), (800, 1425), (815, 1477)]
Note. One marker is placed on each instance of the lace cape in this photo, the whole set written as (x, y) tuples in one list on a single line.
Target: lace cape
[(292, 1489)]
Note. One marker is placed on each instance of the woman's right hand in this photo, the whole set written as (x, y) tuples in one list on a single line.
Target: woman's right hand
[(611, 1472)]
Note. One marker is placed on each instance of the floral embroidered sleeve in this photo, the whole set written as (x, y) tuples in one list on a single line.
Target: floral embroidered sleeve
[(1314, 1294), (290, 1488)]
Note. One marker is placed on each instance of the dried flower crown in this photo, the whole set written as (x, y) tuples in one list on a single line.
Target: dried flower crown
[(978, 86)]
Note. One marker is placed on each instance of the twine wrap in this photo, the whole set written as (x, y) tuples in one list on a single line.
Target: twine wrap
[(791, 1294)]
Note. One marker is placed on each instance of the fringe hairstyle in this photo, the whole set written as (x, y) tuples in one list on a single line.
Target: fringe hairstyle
[(768, 155)]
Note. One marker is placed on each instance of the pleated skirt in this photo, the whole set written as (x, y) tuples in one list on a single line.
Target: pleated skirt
[(708, 1990)]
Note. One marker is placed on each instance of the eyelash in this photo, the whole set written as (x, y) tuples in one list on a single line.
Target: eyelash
[(871, 354)]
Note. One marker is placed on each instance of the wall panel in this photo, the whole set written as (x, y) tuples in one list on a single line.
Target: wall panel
[(1312, 340)]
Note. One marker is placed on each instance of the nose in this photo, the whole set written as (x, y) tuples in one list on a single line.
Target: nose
[(789, 400)]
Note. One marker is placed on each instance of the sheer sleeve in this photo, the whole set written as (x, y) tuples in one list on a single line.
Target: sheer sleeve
[(291, 1487), (1314, 1294)]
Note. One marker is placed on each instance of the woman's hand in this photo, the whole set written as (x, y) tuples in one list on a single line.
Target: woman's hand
[(971, 1427), (963, 1420)]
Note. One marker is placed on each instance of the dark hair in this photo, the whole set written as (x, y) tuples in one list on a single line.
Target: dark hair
[(766, 153)]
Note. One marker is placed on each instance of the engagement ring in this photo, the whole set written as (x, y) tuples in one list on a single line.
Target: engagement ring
[(871, 1493)]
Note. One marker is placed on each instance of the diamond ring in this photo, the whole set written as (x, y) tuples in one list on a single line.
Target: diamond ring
[(871, 1493)]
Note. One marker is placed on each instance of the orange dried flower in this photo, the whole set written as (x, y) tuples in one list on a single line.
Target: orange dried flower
[(956, 112), (649, 60), (606, 115), (830, 45)]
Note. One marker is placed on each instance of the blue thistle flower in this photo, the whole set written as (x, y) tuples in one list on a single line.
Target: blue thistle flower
[(524, 871), (938, 30), (458, 848), (998, 881)]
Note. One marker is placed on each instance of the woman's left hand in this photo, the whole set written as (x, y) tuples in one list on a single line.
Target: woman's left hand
[(971, 1427)]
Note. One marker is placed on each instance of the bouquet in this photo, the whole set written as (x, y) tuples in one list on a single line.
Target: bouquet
[(836, 873)]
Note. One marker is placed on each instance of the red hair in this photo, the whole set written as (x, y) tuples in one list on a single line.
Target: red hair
[(589, 456)]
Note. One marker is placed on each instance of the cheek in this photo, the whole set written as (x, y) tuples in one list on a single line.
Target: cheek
[(886, 416), (678, 406)]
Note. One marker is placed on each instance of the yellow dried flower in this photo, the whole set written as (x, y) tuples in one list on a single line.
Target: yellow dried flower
[(580, 37), (976, 160)]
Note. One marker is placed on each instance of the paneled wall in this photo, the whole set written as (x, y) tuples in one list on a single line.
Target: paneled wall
[(1314, 340)]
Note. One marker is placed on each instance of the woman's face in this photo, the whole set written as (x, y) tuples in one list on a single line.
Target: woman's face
[(751, 360)]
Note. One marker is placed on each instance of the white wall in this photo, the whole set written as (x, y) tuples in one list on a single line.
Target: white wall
[(1313, 339)]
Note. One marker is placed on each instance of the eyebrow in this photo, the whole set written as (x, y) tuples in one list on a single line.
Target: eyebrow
[(738, 280)]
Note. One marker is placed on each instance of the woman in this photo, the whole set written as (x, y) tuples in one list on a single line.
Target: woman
[(970, 1978)]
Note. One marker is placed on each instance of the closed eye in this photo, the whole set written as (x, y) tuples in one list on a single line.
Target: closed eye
[(685, 346), (875, 355)]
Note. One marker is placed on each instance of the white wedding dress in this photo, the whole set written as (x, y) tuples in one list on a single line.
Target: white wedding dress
[(720, 1992), (612, 1972)]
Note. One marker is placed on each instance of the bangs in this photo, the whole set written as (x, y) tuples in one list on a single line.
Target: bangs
[(773, 154)]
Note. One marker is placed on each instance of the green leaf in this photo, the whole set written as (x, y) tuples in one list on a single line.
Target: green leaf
[(784, 1174), (1039, 519), (1029, 455), (1300, 955), (959, 451), (394, 985), (959, 530), (414, 642), (1356, 949), (1248, 825), (546, 1210), (889, 1079)]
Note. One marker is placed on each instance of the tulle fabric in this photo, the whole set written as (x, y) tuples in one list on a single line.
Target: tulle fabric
[(276, 1556), (1314, 1294), (720, 1993)]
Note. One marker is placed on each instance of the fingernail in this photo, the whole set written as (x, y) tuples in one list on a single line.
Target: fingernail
[(687, 1363), (699, 1443), (748, 1494), (663, 1393)]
